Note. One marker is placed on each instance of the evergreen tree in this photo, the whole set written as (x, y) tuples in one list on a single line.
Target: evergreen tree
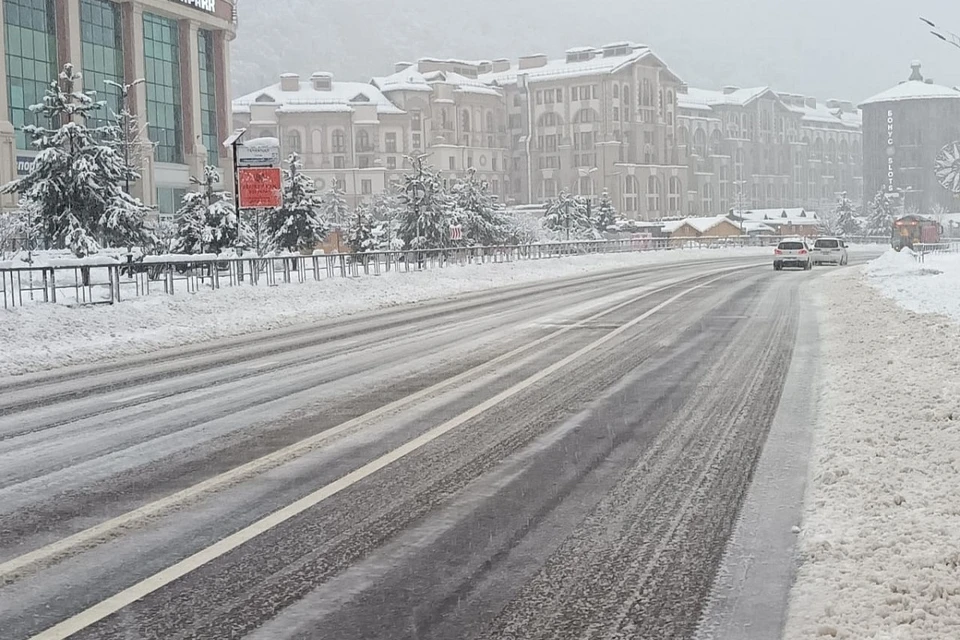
[(360, 237), (606, 214), (335, 210), (207, 220), (845, 220), (569, 216), (880, 215), (478, 212), (75, 188), (297, 225), (132, 141), (426, 213)]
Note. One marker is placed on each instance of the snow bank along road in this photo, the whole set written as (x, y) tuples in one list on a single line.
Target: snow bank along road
[(562, 460)]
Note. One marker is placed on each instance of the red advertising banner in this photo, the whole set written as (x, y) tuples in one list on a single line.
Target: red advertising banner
[(260, 188)]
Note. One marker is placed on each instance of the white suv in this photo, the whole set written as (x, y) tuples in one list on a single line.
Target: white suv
[(794, 252), (832, 250)]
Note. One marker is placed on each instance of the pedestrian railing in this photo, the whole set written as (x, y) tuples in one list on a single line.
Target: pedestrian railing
[(922, 250), (108, 280)]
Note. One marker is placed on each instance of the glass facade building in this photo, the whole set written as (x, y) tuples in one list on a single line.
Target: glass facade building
[(208, 96), (102, 49), (30, 42), (161, 52)]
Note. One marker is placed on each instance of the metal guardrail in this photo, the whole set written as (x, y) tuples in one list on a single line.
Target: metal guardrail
[(114, 282), (922, 250)]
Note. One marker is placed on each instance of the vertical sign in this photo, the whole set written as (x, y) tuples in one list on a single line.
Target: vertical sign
[(891, 152)]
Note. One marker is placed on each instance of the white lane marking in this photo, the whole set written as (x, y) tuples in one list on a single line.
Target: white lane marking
[(139, 396), (147, 586), (262, 365)]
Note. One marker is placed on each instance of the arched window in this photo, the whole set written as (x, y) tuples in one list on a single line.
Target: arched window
[(585, 116), (856, 152), (738, 164), (670, 100), (630, 188), (684, 136), (706, 197), (831, 150), (818, 149), (338, 141), (490, 126), (465, 120), (743, 126), (616, 91), (700, 143), (844, 152), (715, 142), (646, 93), (653, 194), (294, 141), (363, 141), (673, 195)]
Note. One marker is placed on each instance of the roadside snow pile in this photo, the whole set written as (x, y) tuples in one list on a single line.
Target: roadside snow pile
[(880, 544), (932, 286), (44, 336)]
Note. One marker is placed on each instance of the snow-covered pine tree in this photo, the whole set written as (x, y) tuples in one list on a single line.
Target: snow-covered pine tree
[(605, 215), (360, 237), (880, 215), (427, 211), (207, 220), (299, 224), (335, 210), (479, 213), (567, 215), (132, 141), (845, 221), (75, 188)]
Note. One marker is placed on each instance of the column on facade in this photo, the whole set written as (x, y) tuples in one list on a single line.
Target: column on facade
[(194, 152), (221, 52), (69, 46)]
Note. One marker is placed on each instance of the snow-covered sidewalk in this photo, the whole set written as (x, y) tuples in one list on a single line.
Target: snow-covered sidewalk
[(45, 336), (880, 542)]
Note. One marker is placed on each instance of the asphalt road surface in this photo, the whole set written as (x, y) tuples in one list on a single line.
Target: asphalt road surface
[(561, 460)]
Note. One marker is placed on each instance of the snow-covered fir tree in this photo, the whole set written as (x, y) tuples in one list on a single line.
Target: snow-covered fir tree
[(605, 215), (257, 222), (335, 210), (132, 141), (299, 224), (845, 221), (478, 212), (75, 188), (360, 236), (427, 211), (880, 215), (569, 216), (207, 221)]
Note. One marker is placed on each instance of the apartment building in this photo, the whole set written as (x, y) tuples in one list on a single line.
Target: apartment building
[(347, 132), (360, 134), (598, 119), (757, 148), (180, 48)]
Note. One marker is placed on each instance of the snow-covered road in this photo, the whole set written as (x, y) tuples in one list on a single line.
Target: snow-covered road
[(45, 336), (880, 543)]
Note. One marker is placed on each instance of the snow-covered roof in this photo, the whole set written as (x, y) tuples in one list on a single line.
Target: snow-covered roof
[(560, 68), (707, 98), (913, 90), (824, 115), (701, 225), (341, 98), (779, 217), (756, 227), (410, 79)]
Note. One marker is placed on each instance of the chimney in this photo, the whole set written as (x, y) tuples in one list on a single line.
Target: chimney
[(401, 66), (847, 106), (534, 61), (727, 90), (915, 71), (810, 103), (322, 81), (485, 66), (290, 82), (832, 104), (500, 65)]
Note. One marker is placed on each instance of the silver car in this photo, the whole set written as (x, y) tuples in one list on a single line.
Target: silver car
[(830, 251)]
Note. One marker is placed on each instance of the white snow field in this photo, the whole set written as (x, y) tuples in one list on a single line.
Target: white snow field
[(45, 336), (880, 542)]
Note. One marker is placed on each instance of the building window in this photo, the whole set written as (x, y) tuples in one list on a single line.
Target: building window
[(391, 163), (338, 141), (208, 97), (559, 96), (339, 162), (294, 141), (514, 121), (366, 187), (161, 52), (390, 142), (452, 163), (630, 202), (31, 43), (673, 195), (362, 143), (102, 52), (465, 120), (415, 121), (653, 194), (417, 144), (363, 162), (707, 198), (493, 163), (168, 202)]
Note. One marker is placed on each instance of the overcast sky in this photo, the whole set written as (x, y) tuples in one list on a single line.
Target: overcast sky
[(845, 49)]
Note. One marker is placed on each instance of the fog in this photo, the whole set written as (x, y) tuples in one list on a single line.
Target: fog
[(845, 49)]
